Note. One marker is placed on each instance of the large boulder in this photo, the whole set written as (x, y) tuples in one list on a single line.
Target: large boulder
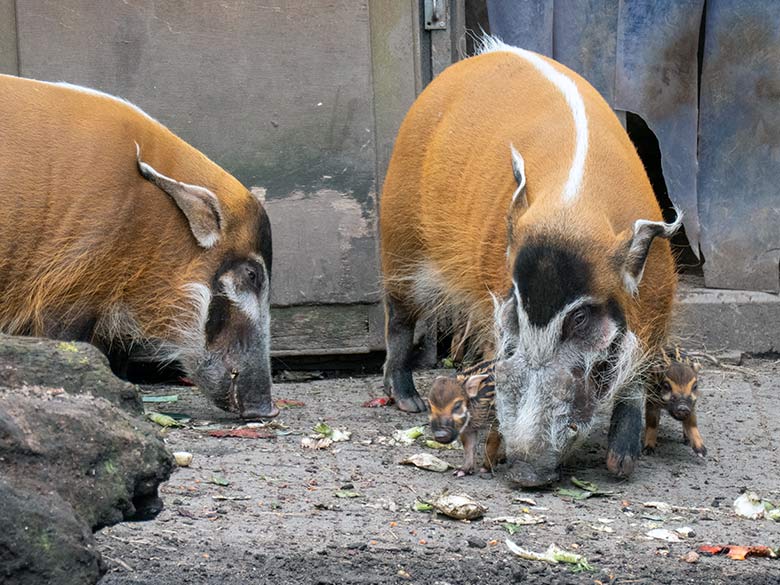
[(70, 462), (75, 367)]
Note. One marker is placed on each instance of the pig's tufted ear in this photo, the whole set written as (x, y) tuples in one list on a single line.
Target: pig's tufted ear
[(199, 205), (633, 247), (519, 198), (474, 383)]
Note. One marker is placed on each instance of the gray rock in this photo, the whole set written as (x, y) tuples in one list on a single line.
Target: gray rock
[(71, 464), (75, 367)]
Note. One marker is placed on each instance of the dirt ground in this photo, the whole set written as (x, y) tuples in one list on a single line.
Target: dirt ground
[(279, 520)]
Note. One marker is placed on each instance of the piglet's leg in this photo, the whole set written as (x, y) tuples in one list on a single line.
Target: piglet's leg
[(469, 440), (691, 430), (492, 448), (652, 417)]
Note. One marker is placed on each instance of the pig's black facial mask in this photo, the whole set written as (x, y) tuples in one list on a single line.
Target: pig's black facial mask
[(559, 367), (231, 355)]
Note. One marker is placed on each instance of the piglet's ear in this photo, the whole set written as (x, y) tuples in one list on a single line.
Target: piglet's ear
[(634, 247), (199, 205), (474, 383)]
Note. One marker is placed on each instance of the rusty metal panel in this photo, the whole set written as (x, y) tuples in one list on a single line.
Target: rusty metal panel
[(739, 156), (527, 24), (277, 92), (585, 39), (657, 78)]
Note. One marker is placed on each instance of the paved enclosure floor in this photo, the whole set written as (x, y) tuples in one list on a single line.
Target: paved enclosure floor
[(278, 519)]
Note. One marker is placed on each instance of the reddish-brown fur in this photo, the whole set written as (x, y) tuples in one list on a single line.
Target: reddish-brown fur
[(73, 257), (444, 203), (463, 406), (675, 389), (452, 229), (92, 250)]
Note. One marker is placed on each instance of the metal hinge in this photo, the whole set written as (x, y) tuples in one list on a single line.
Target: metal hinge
[(436, 14)]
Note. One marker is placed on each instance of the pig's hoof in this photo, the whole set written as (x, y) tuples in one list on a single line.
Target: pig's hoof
[(701, 451), (461, 472), (411, 404), (621, 465), (649, 450)]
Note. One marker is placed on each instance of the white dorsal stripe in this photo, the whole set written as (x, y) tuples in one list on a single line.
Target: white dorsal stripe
[(98, 93), (574, 100)]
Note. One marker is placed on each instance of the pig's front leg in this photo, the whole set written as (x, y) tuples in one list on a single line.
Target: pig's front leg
[(469, 439), (624, 441)]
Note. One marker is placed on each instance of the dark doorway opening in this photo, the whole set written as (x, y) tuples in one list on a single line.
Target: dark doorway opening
[(649, 151)]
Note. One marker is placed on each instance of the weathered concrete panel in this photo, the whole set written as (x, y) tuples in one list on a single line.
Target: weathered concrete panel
[(739, 148), (396, 70), (324, 249), (278, 92), (9, 60), (326, 330)]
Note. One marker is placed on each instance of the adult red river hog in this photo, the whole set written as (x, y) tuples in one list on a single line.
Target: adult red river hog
[(115, 231), (515, 197)]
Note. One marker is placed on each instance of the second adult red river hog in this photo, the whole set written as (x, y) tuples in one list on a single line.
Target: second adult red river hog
[(515, 199), (115, 231)]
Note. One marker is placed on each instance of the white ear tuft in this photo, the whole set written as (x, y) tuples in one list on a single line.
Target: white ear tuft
[(636, 247), (518, 169)]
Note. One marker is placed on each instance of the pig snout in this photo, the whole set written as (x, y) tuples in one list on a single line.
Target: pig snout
[(444, 435), (523, 474), (681, 411), (255, 413), (251, 395)]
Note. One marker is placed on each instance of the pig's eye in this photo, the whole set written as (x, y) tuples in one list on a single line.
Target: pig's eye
[(458, 406), (695, 387), (577, 322), (667, 387)]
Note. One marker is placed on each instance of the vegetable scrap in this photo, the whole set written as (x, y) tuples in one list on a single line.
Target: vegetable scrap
[(431, 444), (283, 403), (586, 489), (183, 458), (348, 494), (426, 461), (667, 535), (163, 419), (750, 505), (243, 433), (739, 553), (219, 480), (524, 519), (554, 554), (324, 436), (168, 398), (408, 436), (458, 506), (316, 444), (379, 402)]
